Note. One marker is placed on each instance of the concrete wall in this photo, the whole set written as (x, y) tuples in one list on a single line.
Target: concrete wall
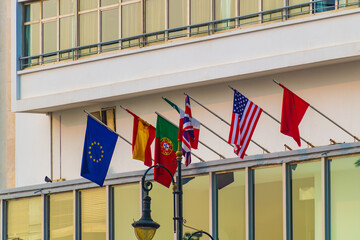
[(7, 119), (332, 89)]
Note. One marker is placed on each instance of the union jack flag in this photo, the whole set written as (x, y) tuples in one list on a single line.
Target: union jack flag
[(244, 119), (188, 132)]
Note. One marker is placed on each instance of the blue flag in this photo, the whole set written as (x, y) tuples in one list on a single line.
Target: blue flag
[(99, 146)]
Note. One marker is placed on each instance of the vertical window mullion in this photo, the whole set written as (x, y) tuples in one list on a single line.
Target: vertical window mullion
[(249, 203), (325, 176), (45, 216), (76, 19), (213, 205), (3, 219), (77, 217), (287, 210), (110, 212), (58, 29)]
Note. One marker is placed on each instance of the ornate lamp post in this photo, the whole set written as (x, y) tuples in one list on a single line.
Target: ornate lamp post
[(145, 228)]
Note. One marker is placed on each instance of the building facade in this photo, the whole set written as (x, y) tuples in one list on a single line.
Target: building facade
[(70, 56)]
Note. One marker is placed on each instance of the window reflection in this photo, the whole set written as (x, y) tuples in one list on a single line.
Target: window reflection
[(345, 198), (231, 205), (61, 216), (24, 219)]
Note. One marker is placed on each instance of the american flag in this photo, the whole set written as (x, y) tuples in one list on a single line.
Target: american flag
[(244, 119), (188, 132)]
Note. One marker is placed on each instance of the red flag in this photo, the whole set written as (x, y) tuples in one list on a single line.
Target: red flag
[(143, 136), (165, 150), (293, 110)]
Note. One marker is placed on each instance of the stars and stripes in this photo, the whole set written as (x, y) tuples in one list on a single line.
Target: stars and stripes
[(188, 132), (244, 119)]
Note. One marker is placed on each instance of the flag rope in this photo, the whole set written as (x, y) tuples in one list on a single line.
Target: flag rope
[(307, 142), (264, 149), (100, 122), (357, 139)]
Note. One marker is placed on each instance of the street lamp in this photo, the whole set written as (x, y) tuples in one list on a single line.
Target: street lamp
[(145, 228)]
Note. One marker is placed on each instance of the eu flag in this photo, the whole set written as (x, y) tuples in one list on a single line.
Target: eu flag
[(99, 146)]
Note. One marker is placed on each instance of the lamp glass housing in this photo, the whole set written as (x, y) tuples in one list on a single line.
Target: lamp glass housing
[(145, 233)]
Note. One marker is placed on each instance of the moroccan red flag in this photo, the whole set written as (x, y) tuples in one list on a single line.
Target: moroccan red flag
[(166, 144), (143, 136), (293, 110)]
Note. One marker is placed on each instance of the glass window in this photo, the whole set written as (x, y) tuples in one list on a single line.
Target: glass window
[(32, 12), (345, 198), (162, 210), (155, 15), (269, 5), (61, 216), (299, 10), (231, 205), (93, 214), (306, 200), (50, 37), (196, 203), (88, 28), (32, 39), (66, 7), (131, 22), (126, 208), (224, 9), (249, 7), (67, 39), (200, 11), (88, 4), (268, 203), (177, 13), (108, 2), (326, 5), (110, 25), (24, 219), (49, 8)]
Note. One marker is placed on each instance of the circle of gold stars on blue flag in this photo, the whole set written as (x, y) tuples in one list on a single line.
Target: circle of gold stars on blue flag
[(96, 150)]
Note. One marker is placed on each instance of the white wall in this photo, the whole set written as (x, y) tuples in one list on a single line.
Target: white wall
[(332, 89)]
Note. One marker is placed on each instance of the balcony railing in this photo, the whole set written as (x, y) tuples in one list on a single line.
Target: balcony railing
[(206, 28)]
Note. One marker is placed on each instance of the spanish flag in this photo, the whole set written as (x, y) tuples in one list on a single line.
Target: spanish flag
[(143, 136)]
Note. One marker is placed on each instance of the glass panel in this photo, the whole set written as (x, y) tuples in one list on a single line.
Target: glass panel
[(155, 15), (50, 36), (306, 201), (177, 13), (248, 7), (67, 33), (231, 205), (49, 8), (108, 2), (224, 9), (32, 12), (196, 203), (200, 11), (126, 208), (177, 17), (61, 216), (88, 4), (298, 10), (272, 4), (131, 22), (268, 203), (66, 7), (32, 39), (24, 219), (89, 31), (93, 214), (345, 198), (326, 5), (162, 210), (110, 27)]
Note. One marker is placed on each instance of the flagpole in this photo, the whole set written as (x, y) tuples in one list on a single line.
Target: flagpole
[(264, 149), (357, 139), (207, 128), (202, 160), (307, 142), (93, 117)]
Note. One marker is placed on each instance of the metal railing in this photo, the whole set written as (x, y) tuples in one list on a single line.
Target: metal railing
[(206, 28)]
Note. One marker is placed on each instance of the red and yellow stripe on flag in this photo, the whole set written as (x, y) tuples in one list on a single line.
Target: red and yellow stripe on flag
[(143, 136)]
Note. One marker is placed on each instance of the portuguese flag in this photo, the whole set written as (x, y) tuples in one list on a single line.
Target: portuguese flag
[(166, 143)]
